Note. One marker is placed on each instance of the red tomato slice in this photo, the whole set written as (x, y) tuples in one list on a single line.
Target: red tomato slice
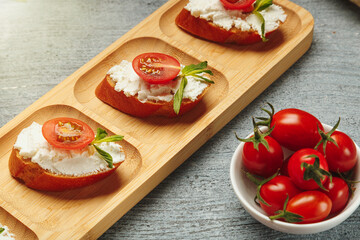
[(67, 133), (156, 68), (244, 5)]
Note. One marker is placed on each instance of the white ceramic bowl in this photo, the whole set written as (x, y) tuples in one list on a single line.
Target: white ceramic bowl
[(246, 191)]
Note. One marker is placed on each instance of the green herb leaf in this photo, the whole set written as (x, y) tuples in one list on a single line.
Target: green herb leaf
[(262, 4), (1, 230), (113, 138), (100, 134), (106, 156), (264, 39), (179, 95), (203, 79), (259, 6), (194, 67), (193, 70)]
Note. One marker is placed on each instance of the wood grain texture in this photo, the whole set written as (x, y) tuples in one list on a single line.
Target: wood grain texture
[(43, 43)]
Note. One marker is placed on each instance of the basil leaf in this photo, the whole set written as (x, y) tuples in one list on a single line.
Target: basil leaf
[(100, 134), (106, 156), (264, 39), (1, 230), (179, 95), (203, 78), (193, 67), (262, 4), (113, 138)]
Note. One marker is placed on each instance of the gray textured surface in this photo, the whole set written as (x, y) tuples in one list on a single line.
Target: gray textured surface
[(42, 42)]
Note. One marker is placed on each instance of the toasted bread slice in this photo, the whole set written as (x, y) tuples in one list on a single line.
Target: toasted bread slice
[(131, 105), (208, 30), (38, 178)]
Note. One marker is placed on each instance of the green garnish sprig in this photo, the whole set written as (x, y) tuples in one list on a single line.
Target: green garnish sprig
[(258, 7), (1, 230), (194, 71), (102, 136)]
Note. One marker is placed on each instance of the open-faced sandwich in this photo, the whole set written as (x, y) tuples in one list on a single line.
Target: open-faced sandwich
[(154, 84), (63, 154), (5, 233), (231, 21)]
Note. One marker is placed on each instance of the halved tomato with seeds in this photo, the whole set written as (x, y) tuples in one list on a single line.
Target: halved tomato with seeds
[(244, 5), (67, 133), (156, 68)]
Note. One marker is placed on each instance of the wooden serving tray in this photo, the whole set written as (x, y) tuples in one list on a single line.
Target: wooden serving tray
[(155, 146)]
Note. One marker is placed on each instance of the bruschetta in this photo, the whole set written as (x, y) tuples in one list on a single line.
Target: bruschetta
[(154, 84), (5, 234), (227, 21), (63, 154)]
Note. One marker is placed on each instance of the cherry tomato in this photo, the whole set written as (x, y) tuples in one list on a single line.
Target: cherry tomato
[(338, 192), (263, 162), (296, 129), (297, 172), (244, 5), (275, 191), (284, 169), (313, 206), (156, 68), (342, 157), (67, 133)]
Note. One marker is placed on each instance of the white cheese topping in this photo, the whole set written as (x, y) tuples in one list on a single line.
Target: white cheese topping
[(131, 84), (214, 11), (32, 144), (6, 235)]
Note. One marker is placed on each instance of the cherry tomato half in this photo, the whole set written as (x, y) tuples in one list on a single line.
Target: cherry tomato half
[(338, 192), (263, 162), (156, 68), (342, 157), (67, 133), (275, 191), (244, 5), (313, 206), (296, 172), (296, 129)]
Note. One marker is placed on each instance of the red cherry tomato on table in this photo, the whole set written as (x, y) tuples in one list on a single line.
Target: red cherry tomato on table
[(313, 206), (295, 129), (338, 192), (156, 68), (244, 5), (342, 157), (67, 133), (275, 191), (297, 172)]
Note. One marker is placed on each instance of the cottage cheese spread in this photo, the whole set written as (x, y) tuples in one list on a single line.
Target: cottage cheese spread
[(131, 84), (5, 234), (214, 11), (32, 144)]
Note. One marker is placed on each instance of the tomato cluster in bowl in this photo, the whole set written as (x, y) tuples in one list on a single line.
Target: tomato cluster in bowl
[(313, 182)]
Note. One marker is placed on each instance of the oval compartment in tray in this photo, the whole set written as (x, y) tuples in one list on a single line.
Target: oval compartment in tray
[(148, 129), (50, 210), (244, 58)]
